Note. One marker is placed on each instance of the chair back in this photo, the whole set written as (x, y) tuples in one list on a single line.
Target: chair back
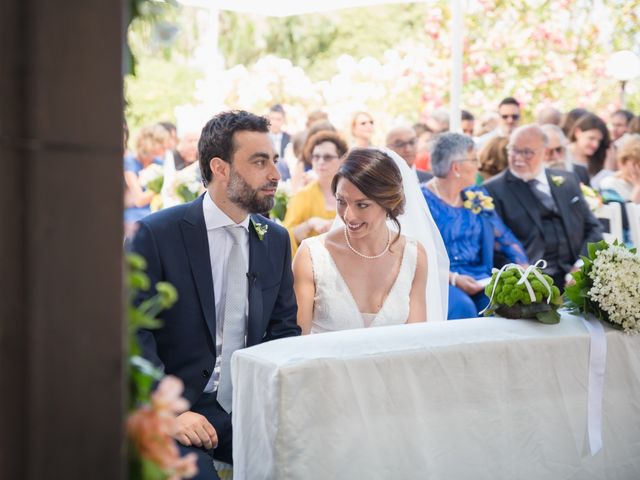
[(612, 212), (633, 214)]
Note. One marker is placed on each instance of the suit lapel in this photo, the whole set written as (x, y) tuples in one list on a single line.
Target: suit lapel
[(196, 242), (520, 190), (563, 202), (259, 270)]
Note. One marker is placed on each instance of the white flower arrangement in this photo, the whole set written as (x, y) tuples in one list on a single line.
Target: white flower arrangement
[(608, 286), (152, 177), (616, 286), (186, 185)]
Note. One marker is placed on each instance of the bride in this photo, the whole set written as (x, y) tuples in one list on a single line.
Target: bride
[(383, 257)]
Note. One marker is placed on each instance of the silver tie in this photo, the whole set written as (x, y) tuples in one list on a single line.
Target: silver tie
[(233, 326)]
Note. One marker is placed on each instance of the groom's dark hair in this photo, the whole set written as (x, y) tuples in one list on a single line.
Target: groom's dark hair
[(216, 139)]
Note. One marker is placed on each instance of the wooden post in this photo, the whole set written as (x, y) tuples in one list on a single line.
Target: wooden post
[(61, 302)]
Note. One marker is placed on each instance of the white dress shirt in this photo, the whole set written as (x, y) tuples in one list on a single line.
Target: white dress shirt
[(543, 182), (220, 244)]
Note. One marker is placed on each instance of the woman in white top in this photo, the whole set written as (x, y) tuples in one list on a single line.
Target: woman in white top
[(626, 181), (362, 273)]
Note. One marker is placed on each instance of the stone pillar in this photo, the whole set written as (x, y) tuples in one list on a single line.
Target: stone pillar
[(61, 301)]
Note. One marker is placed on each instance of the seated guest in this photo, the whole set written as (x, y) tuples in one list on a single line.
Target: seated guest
[(302, 173), (311, 211), (556, 153), (423, 139), (620, 120), (467, 222), (362, 129), (467, 122), (570, 119), (279, 137), (589, 145), (402, 140), (626, 181), (186, 152), (493, 157), (549, 116), (509, 111), (544, 208), (150, 148)]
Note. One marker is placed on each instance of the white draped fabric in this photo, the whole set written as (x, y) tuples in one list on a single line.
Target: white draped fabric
[(480, 398)]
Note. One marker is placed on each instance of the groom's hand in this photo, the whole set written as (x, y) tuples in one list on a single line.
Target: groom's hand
[(195, 430)]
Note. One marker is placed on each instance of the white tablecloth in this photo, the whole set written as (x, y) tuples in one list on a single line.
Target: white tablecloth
[(480, 398)]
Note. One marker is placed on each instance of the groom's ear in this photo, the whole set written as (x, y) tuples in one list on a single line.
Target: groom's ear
[(219, 168)]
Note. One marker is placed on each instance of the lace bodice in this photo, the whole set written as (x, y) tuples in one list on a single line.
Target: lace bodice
[(334, 307)]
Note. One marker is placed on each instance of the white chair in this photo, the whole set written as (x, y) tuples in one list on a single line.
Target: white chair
[(633, 214), (613, 213)]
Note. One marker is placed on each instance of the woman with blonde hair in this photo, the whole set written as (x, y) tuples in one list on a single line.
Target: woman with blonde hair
[(362, 129), (626, 181), (150, 148)]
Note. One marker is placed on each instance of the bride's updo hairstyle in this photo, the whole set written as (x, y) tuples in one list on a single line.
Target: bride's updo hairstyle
[(375, 174)]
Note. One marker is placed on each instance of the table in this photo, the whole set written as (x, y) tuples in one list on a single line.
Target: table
[(480, 398)]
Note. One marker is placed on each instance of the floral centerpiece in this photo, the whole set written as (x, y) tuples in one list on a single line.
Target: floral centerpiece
[(187, 185), (608, 286), (152, 178), (593, 198), (281, 200), (516, 292)]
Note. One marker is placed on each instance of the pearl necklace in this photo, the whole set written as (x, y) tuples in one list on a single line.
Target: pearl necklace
[(368, 257), (437, 192)]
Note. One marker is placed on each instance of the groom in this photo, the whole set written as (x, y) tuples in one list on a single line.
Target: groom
[(233, 274)]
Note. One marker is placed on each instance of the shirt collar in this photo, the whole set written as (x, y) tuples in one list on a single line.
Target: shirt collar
[(215, 218), (542, 177)]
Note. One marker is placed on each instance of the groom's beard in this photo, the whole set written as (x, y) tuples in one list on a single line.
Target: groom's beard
[(248, 198)]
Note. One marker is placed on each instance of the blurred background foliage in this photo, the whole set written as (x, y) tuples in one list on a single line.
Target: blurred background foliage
[(541, 51)]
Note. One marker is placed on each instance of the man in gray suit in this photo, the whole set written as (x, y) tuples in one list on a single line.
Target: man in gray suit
[(543, 208)]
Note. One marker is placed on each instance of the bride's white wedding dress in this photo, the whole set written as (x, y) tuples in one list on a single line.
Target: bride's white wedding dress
[(334, 307)]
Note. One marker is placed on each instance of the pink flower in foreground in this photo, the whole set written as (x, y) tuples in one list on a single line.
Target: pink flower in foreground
[(151, 429), (168, 396)]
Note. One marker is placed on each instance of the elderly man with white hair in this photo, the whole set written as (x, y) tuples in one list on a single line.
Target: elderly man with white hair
[(544, 208), (556, 153)]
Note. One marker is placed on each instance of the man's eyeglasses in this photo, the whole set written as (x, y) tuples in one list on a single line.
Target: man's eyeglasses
[(558, 150), (514, 116), (525, 153), (324, 158), (399, 144)]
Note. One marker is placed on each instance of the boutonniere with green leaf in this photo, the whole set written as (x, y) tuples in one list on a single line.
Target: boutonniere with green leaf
[(260, 228), (477, 202), (557, 180)]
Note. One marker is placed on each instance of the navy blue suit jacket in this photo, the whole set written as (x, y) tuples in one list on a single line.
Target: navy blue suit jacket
[(175, 244), (520, 211)]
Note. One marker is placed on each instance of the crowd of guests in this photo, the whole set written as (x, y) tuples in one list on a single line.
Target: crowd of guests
[(366, 228), (486, 187)]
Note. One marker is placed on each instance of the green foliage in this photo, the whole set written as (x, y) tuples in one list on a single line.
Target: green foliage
[(142, 374), (314, 41), (279, 209), (510, 294), (577, 295), (162, 38)]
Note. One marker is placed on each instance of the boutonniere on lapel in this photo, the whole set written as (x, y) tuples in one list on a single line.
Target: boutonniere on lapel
[(477, 202), (260, 228), (557, 180)]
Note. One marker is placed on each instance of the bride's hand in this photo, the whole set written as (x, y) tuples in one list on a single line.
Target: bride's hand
[(468, 284)]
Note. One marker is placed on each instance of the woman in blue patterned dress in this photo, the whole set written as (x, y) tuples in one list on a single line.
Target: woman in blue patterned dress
[(468, 223)]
